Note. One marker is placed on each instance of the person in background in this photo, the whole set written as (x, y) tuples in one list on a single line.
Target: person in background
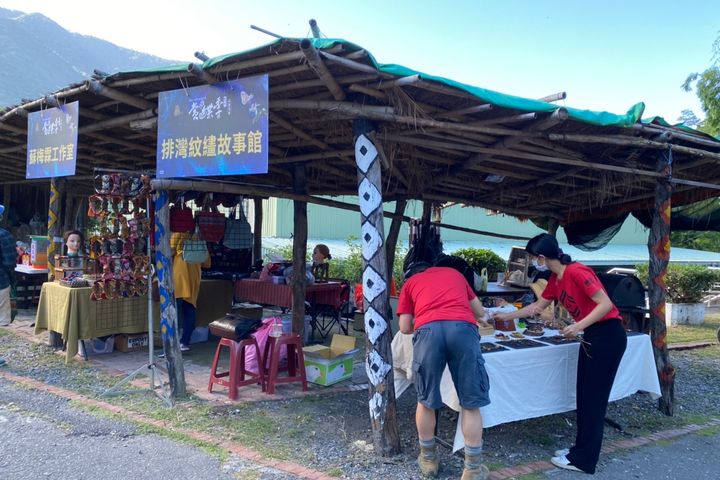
[(186, 280), (579, 290), (438, 305), (73, 240), (8, 257), (320, 267)]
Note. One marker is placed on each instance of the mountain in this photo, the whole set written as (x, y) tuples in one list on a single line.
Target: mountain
[(38, 56)]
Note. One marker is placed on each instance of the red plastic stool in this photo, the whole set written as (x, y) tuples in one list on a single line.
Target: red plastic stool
[(237, 370), (295, 366)]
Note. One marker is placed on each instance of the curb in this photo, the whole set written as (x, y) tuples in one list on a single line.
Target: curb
[(237, 449), (542, 465)]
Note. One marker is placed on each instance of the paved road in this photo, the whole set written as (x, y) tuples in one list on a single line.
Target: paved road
[(44, 437), (692, 457)]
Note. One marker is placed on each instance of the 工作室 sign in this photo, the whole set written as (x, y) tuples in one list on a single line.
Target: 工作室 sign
[(52, 142), (219, 129)]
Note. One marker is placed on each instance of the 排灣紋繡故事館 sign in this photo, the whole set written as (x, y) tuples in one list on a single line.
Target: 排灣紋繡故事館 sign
[(52, 142), (219, 129)]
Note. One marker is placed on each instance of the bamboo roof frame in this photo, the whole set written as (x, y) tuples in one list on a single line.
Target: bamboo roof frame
[(438, 142)]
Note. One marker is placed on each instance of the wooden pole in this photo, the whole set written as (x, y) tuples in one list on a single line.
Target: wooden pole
[(659, 250), (300, 230), (313, 58), (378, 363), (553, 225), (392, 237), (168, 309), (314, 28), (257, 230)]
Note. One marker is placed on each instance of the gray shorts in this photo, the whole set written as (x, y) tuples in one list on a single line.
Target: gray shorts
[(457, 345)]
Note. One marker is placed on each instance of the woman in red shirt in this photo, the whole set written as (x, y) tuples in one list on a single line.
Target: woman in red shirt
[(579, 290)]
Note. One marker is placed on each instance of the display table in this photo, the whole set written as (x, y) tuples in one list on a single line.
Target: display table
[(71, 313), (281, 295), (29, 284), (533, 382)]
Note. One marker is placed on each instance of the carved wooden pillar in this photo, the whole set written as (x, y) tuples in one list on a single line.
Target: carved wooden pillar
[(659, 249), (378, 363), (168, 309)]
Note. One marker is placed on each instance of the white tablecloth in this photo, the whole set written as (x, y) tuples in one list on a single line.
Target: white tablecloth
[(533, 382)]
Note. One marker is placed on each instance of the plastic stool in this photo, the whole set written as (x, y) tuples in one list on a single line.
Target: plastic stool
[(295, 366), (237, 370)]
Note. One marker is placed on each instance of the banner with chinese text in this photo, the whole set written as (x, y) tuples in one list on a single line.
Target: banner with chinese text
[(52, 142), (219, 129)]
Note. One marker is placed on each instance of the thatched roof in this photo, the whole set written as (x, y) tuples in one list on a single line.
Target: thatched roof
[(442, 140)]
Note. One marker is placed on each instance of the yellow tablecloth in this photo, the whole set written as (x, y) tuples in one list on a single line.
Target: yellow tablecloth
[(71, 313)]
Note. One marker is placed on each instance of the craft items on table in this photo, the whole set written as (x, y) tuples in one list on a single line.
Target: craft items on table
[(118, 247)]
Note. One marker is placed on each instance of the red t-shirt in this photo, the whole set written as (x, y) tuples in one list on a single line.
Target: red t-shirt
[(574, 291), (438, 293)]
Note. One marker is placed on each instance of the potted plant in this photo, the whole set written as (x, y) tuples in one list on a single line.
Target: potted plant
[(685, 287)]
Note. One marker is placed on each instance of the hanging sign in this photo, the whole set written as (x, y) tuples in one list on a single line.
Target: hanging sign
[(52, 142), (219, 129)]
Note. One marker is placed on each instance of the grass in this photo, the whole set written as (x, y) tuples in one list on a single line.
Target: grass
[(707, 332)]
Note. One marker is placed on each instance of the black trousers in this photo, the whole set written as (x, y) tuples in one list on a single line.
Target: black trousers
[(598, 361)]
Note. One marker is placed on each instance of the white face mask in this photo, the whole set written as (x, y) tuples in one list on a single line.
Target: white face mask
[(538, 267)]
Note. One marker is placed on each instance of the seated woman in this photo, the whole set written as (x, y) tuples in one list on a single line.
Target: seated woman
[(320, 267)]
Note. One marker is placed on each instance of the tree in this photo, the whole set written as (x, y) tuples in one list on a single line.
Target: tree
[(707, 87)]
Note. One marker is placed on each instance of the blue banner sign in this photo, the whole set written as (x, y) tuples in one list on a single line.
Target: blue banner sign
[(52, 142), (219, 129)]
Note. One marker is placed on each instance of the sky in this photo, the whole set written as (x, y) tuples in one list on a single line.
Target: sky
[(607, 55)]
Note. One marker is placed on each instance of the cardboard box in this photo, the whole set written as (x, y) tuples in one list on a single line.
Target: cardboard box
[(248, 310), (96, 346), (330, 365), (131, 342)]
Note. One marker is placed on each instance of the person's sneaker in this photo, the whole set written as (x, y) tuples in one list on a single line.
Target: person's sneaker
[(184, 348), (2, 361), (562, 453), (562, 462)]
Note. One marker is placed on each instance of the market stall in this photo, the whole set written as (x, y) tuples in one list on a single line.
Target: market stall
[(71, 313), (533, 381)]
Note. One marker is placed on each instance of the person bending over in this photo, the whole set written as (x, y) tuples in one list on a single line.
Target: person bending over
[(438, 305)]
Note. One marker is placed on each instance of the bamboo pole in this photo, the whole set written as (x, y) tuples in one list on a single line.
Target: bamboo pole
[(201, 74), (384, 113), (304, 84), (99, 89), (314, 28), (168, 308), (118, 121), (30, 106), (313, 57), (300, 231), (553, 97), (368, 91), (381, 389), (659, 250)]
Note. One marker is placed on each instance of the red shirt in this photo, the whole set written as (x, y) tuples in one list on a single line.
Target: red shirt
[(438, 293), (578, 284)]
